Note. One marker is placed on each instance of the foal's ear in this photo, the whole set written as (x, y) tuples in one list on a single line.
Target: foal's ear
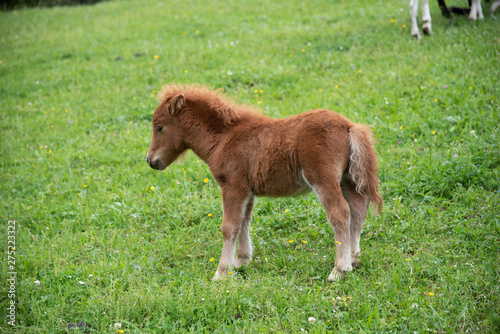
[(176, 104)]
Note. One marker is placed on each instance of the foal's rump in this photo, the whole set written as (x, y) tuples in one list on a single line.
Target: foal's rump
[(330, 147)]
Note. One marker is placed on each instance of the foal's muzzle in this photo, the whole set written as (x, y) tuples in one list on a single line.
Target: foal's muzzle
[(155, 164)]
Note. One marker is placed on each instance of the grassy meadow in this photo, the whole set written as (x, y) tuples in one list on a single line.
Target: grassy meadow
[(105, 244)]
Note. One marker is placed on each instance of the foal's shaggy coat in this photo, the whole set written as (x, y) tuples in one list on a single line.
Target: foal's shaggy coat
[(252, 155)]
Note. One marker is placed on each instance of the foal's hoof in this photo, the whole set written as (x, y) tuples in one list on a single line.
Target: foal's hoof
[(356, 262), (335, 276), (338, 274), (242, 261), (218, 276)]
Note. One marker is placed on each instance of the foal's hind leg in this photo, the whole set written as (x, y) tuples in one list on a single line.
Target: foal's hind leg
[(244, 254), (234, 202), (327, 188), (358, 206)]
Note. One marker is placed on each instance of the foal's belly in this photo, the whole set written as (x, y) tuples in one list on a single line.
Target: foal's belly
[(281, 185)]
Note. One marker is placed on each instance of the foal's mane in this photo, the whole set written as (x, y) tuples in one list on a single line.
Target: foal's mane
[(224, 107)]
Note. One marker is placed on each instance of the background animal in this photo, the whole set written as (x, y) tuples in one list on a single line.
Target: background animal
[(475, 12)]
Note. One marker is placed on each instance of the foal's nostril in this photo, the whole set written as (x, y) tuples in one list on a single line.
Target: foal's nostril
[(148, 160)]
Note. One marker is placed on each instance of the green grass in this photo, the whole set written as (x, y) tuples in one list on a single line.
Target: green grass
[(106, 249)]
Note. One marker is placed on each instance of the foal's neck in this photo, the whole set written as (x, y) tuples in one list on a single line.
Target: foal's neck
[(207, 129)]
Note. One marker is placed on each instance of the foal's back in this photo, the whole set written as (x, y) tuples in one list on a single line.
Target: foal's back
[(274, 152)]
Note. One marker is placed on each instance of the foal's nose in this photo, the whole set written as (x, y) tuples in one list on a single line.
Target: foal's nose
[(147, 159)]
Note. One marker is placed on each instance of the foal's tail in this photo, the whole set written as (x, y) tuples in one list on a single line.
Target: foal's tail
[(363, 164)]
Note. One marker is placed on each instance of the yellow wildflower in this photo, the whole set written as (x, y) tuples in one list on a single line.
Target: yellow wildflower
[(211, 260), (152, 188), (157, 57), (205, 180)]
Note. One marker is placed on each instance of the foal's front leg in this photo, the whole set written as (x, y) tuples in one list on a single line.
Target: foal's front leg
[(234, 203), (244, 253)]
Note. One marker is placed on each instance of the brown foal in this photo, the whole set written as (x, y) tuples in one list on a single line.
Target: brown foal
[(253, 155)]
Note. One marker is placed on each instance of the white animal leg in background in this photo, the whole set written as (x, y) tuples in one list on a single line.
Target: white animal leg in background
[(494, 6), (426, 17), (413, 15), (476, 12)]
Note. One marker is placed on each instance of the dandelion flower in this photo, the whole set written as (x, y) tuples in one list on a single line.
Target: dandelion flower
[(121, 331), (205, 180), (256, 91), (430, 293), (305, 242), (41, 146), (210, 215), (290, 241), (50, 151), (152, 188), (408, 260), (433, 132), (66, 110), (338, 242), (85, 186), (336, 86), (286, 210), (133, 98), (157, 57), (185, 71), (211, 260), (229, 272), (261, 91), (303, 50), (401, 127), (320, 90), (360, 71), (404, 26), (470, 88), (259, 102), (435, 100), (79, 194)]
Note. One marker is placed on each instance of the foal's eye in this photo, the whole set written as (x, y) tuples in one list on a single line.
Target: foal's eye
[(159, 128)]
